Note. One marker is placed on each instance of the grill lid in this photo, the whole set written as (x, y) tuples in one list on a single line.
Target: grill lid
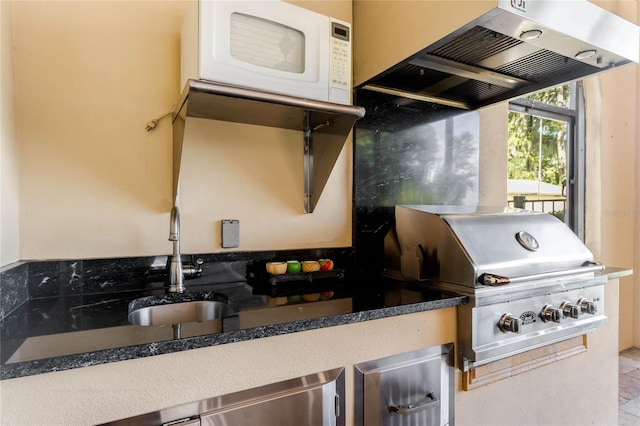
[(460, 244)]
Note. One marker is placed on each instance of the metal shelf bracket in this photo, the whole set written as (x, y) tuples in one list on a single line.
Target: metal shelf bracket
[(325, 126)]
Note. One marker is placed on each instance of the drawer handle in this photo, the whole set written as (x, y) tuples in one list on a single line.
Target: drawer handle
[(431, 400)]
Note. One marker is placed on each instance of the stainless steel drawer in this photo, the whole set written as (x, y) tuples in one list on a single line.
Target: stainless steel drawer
[(308, 402), (313, 400)]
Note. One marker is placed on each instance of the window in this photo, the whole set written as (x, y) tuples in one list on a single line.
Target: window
[(546, 153)]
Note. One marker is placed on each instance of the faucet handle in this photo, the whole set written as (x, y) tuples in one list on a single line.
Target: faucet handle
[(193, 269)]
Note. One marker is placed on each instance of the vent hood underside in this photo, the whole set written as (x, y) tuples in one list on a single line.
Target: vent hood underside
[(489, 60)]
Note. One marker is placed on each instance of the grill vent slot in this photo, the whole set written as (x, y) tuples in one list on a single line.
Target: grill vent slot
[(541, 64), (476, 45)]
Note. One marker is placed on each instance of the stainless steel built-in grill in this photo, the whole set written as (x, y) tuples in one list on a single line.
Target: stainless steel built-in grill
[(530, 280)]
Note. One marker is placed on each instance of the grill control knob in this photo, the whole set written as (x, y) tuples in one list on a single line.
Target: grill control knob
[(587, 306), (510, 324), (570, 310), (549, 313)]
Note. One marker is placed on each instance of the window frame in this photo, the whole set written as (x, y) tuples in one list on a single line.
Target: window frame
[(574, 116)]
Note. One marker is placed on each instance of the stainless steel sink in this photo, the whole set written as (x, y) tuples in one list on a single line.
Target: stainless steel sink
[(179, 309)]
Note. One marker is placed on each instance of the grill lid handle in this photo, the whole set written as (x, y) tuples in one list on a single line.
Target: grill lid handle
[(496, 280)]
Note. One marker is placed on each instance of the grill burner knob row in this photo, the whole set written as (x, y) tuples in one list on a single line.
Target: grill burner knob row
[(510, 324), (549, 313), (570, 310), (587, 306)]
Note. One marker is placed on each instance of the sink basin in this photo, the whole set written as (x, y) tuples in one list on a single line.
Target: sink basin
[(179, 309)]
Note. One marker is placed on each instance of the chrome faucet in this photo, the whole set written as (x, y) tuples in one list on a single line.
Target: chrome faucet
[(177, 271)]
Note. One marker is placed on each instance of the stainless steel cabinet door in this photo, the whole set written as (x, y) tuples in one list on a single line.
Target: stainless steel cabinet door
[(410, 389)]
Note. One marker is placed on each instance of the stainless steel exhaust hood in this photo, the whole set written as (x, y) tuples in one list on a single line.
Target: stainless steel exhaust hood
[(514, 48)]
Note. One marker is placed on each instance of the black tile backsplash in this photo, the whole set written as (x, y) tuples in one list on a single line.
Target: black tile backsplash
[(93, 276), (408, 151), (46, 279), (13, 287)]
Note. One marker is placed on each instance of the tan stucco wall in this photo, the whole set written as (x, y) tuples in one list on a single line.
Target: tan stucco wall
[(613, 145), (94, 183), (493, 155), (9, 202), (636, 261)]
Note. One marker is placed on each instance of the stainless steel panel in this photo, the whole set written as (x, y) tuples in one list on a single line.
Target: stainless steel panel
[(315, 400), (543, 286), (462, 243), (473, 63), (329, 124), (413, 388), (491, 243), (305, 408), (485, 342)]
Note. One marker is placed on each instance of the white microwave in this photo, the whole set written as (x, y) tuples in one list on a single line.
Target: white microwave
[(268, 45)]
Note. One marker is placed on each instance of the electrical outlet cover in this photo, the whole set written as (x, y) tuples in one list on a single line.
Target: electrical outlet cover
[(230, 233)]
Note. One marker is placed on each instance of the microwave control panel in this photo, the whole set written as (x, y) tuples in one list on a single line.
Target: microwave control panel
[(340, 62)]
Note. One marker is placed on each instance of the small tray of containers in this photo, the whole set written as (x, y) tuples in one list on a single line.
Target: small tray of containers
[(296, 281)]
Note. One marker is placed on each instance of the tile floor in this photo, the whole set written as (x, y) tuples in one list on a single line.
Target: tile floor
[(629, 387)]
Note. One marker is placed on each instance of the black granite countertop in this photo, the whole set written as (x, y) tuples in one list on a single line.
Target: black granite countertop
[(71, 331)]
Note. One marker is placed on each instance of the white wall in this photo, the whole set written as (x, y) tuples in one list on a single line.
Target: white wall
[(9, 201)]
